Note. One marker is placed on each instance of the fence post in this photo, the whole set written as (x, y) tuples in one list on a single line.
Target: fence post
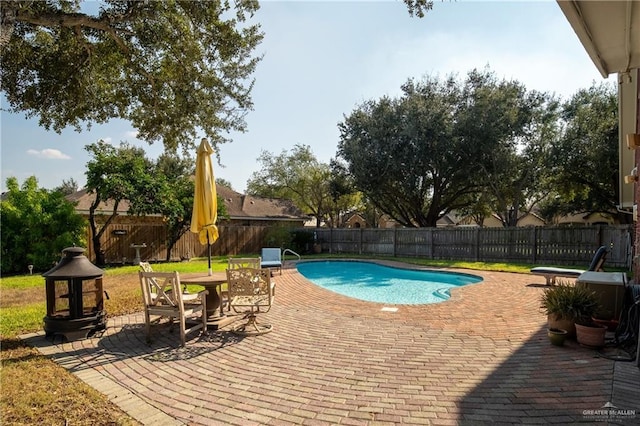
[(600, 236), (432, 238), (477, 242), (360, 241), (331, 240), (534, 253), (395, 239)]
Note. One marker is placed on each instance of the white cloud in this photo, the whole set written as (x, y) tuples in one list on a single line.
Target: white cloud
[(49, 153), (131, 134)]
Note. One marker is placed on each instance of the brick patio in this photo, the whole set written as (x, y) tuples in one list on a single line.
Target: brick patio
[(480, 358)]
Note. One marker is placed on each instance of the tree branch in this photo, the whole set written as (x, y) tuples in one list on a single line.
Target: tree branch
[(75, 20)]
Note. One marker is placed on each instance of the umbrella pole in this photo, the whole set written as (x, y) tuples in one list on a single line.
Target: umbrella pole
[(209, 254)]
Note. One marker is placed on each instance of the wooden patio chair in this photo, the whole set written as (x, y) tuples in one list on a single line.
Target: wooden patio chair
[(251, 292), (162, 296), (186, 296)]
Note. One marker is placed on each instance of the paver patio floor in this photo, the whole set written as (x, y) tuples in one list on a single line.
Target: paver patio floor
[(481, 357)]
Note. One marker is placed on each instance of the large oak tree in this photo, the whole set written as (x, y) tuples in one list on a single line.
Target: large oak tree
[(508, 131), (172, 68), (403, 155), (584, 158), (440, 145)]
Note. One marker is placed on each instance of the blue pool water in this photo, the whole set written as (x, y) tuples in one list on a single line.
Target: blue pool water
[(383, 284)]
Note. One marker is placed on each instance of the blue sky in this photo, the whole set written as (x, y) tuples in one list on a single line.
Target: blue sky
[(323, 59)]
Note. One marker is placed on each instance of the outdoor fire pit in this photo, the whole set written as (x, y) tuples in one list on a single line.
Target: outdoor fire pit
[(75, 306)]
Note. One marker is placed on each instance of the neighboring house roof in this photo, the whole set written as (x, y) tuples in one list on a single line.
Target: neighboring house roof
[(239, 206), (354, 217), (83, 200), (453, 218), (447, 220), (586, 219)]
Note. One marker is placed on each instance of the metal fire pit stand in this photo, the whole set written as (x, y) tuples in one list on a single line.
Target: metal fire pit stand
[(75, 305)]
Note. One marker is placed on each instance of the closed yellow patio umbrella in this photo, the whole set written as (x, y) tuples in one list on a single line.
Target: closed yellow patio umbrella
[(205, 202)]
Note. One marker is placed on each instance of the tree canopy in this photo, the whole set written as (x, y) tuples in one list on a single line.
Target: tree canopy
[(441, 145), (403, 155), (297, 176), (583, 161), (171, 68), (510, 130), (68, 186), (324, 191), (418, 7), (119, 174)]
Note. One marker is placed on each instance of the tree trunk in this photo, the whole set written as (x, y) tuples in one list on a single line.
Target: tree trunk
[(97, 249), (95, 234), (170, 243)]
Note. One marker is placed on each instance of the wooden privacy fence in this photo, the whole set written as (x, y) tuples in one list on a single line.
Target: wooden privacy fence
[(534, 245), (118, 239)]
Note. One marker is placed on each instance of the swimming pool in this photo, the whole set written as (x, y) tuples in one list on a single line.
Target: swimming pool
[(383, 284)]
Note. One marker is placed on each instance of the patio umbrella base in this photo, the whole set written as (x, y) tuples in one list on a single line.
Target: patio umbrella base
[(252, 327)]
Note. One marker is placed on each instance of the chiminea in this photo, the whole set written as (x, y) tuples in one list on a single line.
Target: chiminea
[(75, 306)]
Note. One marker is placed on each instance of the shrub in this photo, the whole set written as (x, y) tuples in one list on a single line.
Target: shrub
[(36, 225), (278, 236), (302, 241)]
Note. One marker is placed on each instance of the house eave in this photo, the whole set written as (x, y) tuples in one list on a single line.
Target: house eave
[(609, 32)]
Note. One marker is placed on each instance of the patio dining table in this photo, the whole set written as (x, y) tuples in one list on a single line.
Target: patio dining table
[(215, 313)]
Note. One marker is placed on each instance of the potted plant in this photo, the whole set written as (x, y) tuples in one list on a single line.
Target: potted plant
[(589, 332), (605, 317), (317, 247), (556, 336), (565, 304)]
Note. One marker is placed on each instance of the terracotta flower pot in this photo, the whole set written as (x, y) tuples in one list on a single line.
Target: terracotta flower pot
[(591, 335), (611, 324)]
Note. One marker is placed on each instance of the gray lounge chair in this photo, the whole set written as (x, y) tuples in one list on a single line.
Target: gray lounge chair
[(551, 273), (271, 258)]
